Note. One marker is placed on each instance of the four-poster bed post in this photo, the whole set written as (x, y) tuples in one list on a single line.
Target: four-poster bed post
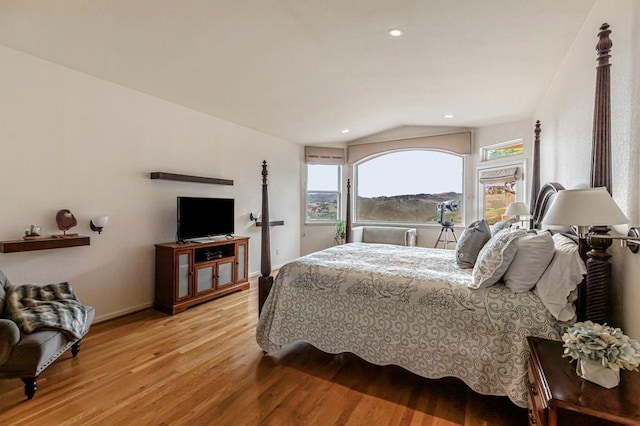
[(266, 280), (535, 174), (598, 265), (348, 237)]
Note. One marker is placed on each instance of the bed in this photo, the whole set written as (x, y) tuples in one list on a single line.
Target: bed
[(414, 307)]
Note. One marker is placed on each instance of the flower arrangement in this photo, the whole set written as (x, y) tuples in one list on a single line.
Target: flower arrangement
[(601, 343)]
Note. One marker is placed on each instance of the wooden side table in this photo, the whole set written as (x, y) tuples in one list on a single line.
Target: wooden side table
[(558, 396)]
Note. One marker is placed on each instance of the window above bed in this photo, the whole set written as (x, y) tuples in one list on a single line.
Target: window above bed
[(407, 186)]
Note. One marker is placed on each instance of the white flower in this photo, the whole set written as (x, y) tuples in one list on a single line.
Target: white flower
[(608, 345)]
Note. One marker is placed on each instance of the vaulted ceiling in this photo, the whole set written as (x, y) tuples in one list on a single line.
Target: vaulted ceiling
[(304, 70)]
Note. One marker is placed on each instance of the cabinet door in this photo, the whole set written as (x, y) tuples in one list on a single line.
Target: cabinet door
[(225, 273), (241, 262), (205, 275), (185, 275)]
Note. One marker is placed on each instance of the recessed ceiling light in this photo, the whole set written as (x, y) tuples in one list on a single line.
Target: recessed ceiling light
[(345, 131), (395, 32), (448, 116)]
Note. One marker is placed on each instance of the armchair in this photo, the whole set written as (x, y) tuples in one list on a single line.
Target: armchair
[(25, 356)]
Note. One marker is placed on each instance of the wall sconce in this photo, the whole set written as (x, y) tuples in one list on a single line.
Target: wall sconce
[(255, 217), (98, 222), (591, 211)]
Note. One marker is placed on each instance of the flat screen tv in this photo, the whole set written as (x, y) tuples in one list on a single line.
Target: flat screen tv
[(204, 217)]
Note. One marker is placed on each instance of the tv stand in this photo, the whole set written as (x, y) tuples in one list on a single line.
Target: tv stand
[(190, 273)]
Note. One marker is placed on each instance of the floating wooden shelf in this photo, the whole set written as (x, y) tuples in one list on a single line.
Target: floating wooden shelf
[(189, 178), (42, 244), (272, 223)]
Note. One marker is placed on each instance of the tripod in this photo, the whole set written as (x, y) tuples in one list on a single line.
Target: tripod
[(446, 228)]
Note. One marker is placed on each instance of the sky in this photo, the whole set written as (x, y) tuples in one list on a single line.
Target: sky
[(410, 172), (398, 173)]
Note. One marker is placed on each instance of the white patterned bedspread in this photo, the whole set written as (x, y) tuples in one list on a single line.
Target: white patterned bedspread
[(407, 306)]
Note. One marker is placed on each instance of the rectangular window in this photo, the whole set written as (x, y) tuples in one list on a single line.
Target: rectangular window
[(323, 192), (497, 197), (499, 188), (502, 150)]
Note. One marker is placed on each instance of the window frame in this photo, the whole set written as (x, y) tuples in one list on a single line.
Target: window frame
[(354, 192), (338, 192), (485, 149)]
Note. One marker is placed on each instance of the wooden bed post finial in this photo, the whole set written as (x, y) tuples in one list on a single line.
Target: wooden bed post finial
[(266, 280), (601, 147)]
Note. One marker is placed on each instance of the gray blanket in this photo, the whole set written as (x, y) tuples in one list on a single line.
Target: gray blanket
[(53, 306)]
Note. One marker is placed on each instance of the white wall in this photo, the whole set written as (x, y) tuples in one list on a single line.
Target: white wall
[(73, 141), (566, 113)]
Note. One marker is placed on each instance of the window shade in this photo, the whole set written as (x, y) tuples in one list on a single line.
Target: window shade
[(323, 155), (457, 143), (499, 175)]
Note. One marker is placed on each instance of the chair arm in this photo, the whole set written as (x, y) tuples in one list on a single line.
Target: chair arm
[(357, 234), (9, 337)]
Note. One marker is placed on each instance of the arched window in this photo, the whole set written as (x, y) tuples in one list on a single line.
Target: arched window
[(407, 186)]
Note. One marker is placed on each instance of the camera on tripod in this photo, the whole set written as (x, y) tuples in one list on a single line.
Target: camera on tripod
[(443, 208)]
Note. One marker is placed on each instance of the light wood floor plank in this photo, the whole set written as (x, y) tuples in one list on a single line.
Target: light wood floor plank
[(203, 367)]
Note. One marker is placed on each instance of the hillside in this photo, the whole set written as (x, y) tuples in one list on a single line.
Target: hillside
[(419, 208)]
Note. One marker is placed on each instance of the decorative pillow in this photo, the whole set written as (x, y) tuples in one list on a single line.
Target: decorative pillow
[(563, 275), (495, 257), (534, 254), (474, 237), (499, 226)]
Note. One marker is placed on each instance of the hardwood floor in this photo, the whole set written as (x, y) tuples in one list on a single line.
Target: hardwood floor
[(203, 367)]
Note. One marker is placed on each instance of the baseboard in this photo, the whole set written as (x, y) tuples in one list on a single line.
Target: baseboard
[(123, 312)]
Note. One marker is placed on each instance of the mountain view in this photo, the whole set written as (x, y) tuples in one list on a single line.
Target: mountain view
[(418, 208)]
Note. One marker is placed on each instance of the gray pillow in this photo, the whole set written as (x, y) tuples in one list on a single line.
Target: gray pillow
[(534, 254), (495, 257), (499, 226), (474, 237)]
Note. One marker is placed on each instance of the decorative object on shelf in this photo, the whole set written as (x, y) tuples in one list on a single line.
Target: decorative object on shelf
[(32, 232), (601, 351), (98, 222), (341, 231), (65, 220), (517, 209)]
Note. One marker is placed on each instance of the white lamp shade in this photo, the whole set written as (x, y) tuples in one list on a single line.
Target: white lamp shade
[(584, 207), (517, 209), (100, 221)]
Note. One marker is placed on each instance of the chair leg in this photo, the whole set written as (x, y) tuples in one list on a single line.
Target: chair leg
[(75, 348), (30, 386)]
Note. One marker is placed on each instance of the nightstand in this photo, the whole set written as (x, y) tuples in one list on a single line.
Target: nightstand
[(557, 396)]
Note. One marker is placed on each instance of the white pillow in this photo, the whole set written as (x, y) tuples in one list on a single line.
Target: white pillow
[(495, 257), (534, 254), (563, 275)]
